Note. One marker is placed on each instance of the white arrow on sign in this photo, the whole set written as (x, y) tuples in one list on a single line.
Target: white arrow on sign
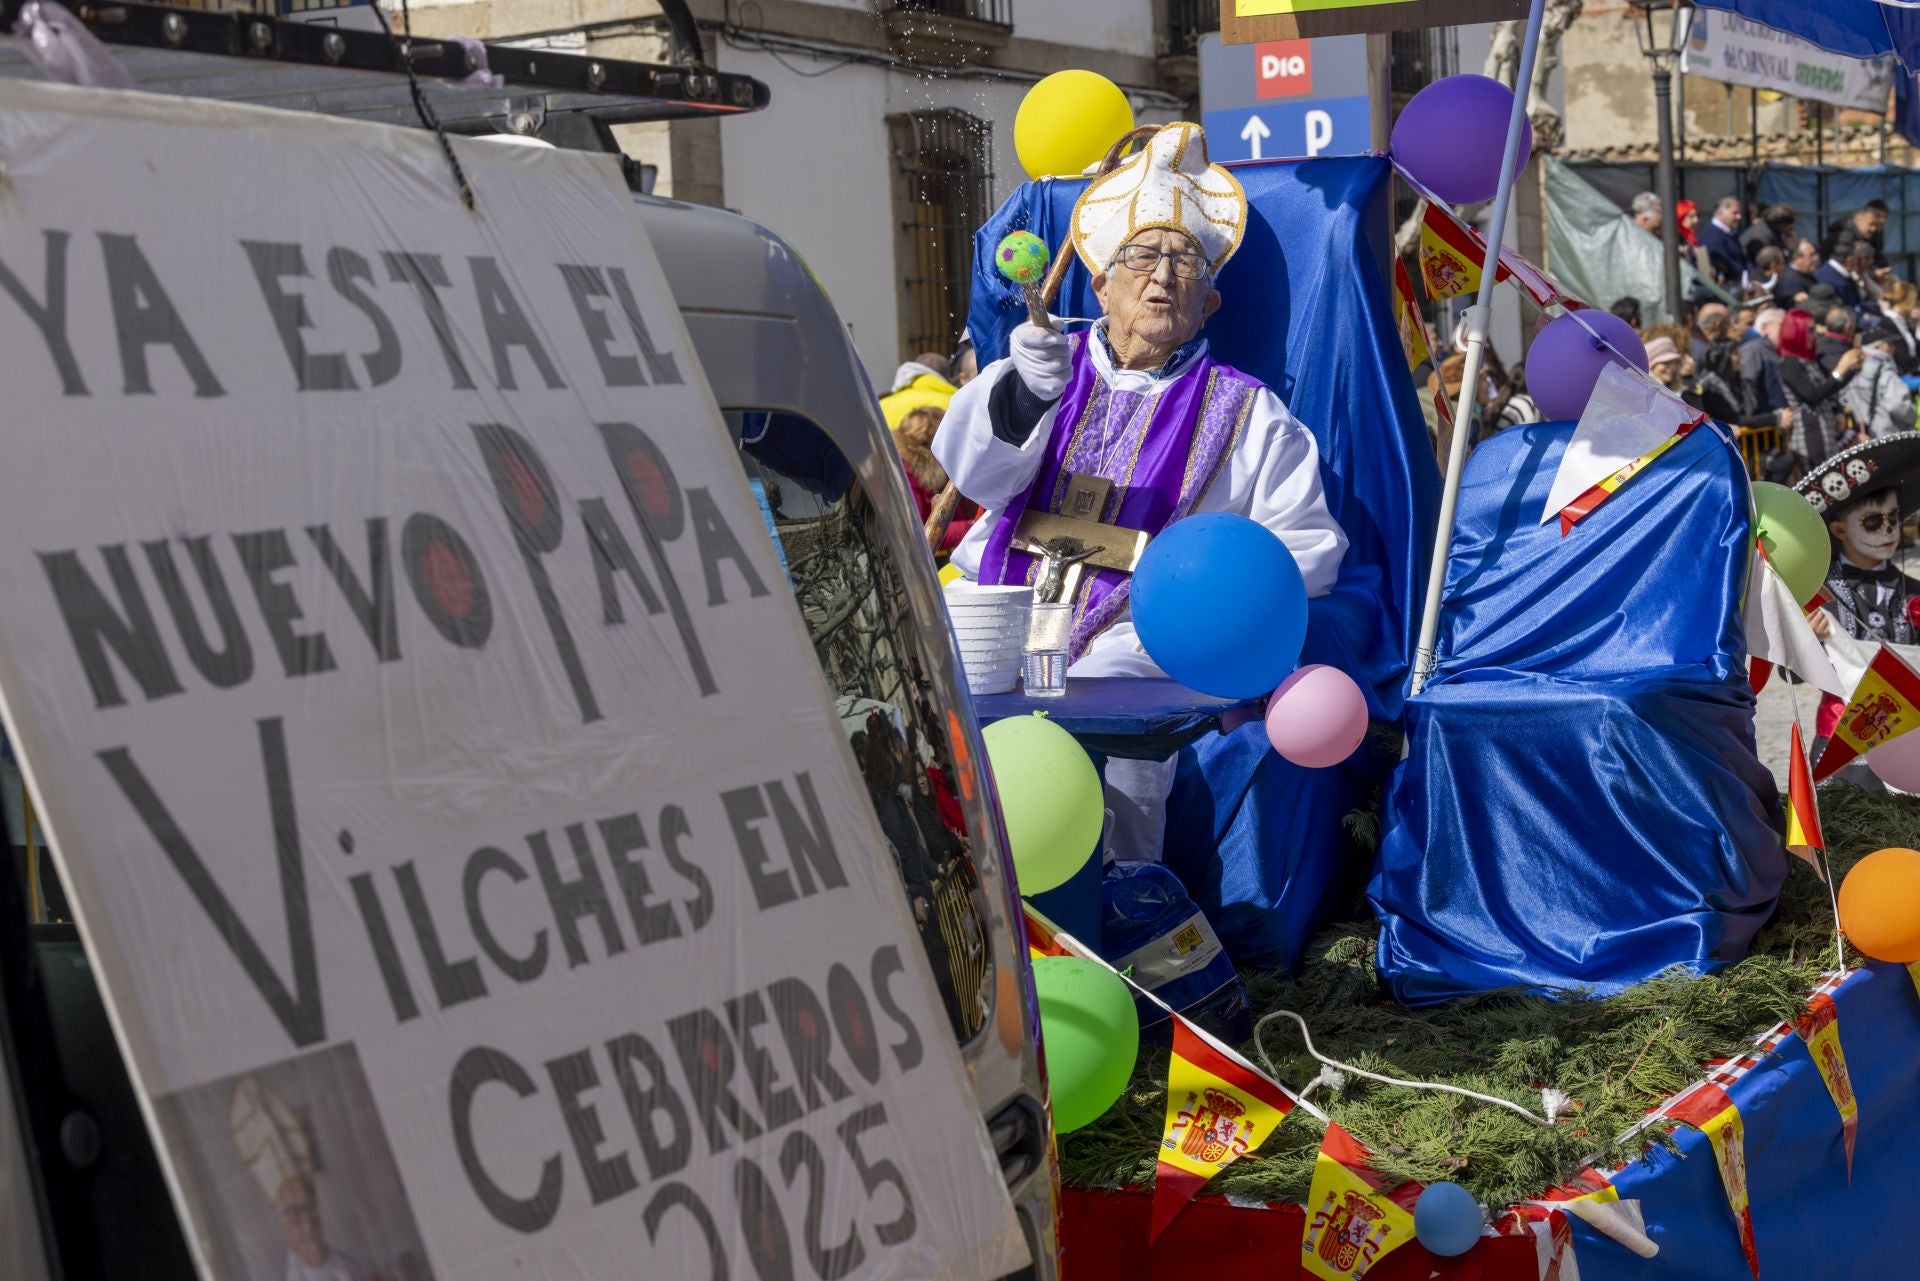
[(1253, 133)]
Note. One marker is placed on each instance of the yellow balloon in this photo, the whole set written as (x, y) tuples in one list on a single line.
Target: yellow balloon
[(1068, 121)]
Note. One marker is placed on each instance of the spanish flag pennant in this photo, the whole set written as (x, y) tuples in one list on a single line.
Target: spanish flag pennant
[(1708, 1109), (1041, 939), (1583, 506), (1219, 1108), (1406, 318), (1819, 1027), (1413, 338), (1885, 705), (1803, 807), (1351, 1224), (1450, 258)]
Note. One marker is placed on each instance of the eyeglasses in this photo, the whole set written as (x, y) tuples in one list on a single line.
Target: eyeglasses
[(1145, 259), (1874, 522)]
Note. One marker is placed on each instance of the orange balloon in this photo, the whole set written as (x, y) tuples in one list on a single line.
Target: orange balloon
[(1880, 905)]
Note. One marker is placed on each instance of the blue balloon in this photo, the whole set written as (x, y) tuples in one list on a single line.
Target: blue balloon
[(1446, 1219), (1220, 606)]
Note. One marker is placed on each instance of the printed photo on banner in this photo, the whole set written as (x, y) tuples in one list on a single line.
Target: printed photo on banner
[(303, 1180)]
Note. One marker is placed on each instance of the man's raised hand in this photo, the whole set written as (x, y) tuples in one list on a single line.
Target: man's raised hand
[(1043, 358)]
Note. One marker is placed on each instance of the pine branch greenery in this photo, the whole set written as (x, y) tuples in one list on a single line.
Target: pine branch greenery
[(1616, 1058)]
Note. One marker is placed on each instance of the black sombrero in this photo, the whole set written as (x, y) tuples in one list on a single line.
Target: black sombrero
[(1891, 461)]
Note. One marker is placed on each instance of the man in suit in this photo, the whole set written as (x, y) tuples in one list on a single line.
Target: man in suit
[(1720, 237), (1845, 270), (1798, 277)]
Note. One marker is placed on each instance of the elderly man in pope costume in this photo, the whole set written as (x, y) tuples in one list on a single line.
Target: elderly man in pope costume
[(1134, 425)]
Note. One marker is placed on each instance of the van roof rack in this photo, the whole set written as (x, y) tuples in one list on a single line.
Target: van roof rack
[(329, 58)]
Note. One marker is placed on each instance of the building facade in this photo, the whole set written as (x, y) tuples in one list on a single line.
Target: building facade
[(890, 135)]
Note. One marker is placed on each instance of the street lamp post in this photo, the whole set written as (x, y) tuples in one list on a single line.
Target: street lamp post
[(1662, 33)]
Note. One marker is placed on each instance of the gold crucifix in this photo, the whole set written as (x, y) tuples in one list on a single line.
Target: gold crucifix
[(1077, 531)]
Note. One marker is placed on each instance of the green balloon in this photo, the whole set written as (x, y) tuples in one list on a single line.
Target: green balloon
[(1795, 537), (1090, 1034), (1050, 797)]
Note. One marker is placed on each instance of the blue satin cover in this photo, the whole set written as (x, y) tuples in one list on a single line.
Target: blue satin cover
[(1581, 806), (1809, 1221), (1304, 308)]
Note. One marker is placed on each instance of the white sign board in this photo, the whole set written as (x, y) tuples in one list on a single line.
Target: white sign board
[(471, 859), (1725, 47)]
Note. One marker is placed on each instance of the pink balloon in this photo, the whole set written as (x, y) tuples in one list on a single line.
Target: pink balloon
[(1898, 763), (1318, 717)]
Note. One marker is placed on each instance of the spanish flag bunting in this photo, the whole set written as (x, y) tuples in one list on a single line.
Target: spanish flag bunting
[(1582, 507), (1450, 255), (1351, 1225), (1219, 1108), (1886, 704), (1708, 1109), (1041, 940), (1803, 807), (1819, 1027), (1413, 338), (1406, 317), (1457, 243)]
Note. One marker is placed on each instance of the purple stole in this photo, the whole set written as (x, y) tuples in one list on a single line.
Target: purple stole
[(1161, 459)]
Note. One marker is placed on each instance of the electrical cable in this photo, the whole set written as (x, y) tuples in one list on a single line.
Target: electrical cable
[(1552, 1100), (422, 108)]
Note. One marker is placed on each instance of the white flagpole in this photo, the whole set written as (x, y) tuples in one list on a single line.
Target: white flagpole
[(1477, 314)]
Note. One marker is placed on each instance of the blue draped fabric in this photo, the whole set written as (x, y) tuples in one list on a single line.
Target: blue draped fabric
[(1581, 805), (1808, 1219), (1305, 309)]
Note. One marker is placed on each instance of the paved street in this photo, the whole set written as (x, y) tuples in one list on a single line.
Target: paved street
[(1773, 723)]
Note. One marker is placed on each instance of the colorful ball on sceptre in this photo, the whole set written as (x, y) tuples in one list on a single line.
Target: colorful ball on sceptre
[(1022, 258)]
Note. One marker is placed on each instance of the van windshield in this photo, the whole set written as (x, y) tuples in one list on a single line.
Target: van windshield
[(843, 572)]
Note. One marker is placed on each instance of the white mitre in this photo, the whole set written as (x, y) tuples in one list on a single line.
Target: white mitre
[(1168, 184), (268, 1138)]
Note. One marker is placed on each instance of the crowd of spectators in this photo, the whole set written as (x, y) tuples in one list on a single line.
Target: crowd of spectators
[(1822, 340)]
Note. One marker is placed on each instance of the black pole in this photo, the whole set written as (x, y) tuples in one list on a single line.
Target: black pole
[(1669, 228)]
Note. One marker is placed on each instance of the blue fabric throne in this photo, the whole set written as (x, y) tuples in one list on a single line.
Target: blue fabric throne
[(1581, 806), (1260, 843)]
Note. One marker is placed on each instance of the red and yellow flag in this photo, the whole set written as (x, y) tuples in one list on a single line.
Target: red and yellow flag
[(1351, 1226), (1582, 507), (1219, 1108), (1819, 1027), (1886, 704), (1450, 256), (1709, 1110), (1413, 336), (1803, 809)]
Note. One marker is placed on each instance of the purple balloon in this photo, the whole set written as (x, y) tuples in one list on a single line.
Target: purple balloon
[(1451, 136), (1565, 360)]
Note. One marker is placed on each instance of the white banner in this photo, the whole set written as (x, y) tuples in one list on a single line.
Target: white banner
[(1722, 46), (471, 858)]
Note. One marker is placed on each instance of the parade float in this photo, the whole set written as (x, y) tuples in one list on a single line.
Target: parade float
[(1613, 1006)]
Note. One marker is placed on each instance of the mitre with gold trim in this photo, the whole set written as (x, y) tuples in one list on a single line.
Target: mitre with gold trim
[(268, 1137), (1168, 183)]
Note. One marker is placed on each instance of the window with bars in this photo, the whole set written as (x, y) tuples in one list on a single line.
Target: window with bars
[(943, 181)]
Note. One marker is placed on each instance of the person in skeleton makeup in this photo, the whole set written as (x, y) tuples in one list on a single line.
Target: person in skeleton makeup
[(1868, 595)]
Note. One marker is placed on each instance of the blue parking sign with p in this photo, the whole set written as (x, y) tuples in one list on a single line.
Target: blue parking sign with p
[(1312, 127)]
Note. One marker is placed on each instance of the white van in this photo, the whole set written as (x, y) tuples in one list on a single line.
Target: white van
[(81, 1190)]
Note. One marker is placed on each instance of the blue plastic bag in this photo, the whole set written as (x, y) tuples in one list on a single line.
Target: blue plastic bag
[(1151, 930)]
